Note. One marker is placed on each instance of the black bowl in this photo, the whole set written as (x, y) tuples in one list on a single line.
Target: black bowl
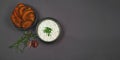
[(34, 23), (60, 27)]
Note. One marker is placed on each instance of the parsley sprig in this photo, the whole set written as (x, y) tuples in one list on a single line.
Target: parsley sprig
[(47, 30)]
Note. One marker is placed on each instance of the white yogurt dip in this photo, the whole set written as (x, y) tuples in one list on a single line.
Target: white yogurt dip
[(54, 33)]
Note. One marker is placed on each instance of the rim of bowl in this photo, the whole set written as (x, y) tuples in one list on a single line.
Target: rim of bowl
[(59, 26), (36, 19)]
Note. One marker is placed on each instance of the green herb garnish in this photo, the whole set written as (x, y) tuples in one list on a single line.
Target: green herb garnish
[(22, 41), (47, 30)]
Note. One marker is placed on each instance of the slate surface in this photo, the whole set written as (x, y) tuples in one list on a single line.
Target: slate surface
[(91, 30)]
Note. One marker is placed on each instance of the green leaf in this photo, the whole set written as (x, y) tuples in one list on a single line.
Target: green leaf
[(47, 30)]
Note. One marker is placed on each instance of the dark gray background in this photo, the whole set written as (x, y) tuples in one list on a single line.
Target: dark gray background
[(91, 28)]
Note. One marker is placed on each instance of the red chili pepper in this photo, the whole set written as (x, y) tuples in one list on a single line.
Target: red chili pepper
[(34, 43)]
